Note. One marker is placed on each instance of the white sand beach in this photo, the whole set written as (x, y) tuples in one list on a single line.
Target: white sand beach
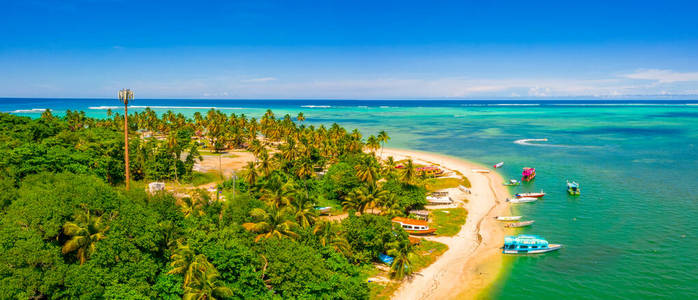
[(473, 260)]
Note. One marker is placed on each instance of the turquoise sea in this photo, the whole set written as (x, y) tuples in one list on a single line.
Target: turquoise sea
[(633, 233)]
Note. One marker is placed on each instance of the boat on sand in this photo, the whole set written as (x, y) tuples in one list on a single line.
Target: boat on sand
[(507, 218), (527, 244), (519, 224), (521, 200), (416, 227)]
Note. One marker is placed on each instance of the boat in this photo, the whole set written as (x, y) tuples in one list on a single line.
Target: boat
[(323, 210), (507, 218), (512, 182), (573, 188), (529, 195), (499, 165), (521, 200), (519, 224), (386, 259), (528, 174), (527, 244), (412, 226)]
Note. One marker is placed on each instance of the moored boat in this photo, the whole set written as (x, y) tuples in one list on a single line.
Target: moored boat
[(519, 224), (573, 188), (512, 182), (527, 244), (507, 218), (412, 226), (528, 174), (499, 164), (530, 195), (521, 200)]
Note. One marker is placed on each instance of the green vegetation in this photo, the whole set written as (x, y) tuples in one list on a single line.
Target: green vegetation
[(435, 184), (448, 221), (69, 229)]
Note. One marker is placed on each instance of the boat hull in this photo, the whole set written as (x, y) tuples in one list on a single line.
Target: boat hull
[(508, 218), (551, 247), (521, 200), (421, 232)]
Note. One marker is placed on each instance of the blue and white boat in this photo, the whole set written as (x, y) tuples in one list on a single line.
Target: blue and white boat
[(527, 244)]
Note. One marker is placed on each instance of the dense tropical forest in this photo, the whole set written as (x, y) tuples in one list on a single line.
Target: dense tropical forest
[(70, 229)]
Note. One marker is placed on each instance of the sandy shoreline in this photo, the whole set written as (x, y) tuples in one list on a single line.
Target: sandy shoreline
[(473, 260)]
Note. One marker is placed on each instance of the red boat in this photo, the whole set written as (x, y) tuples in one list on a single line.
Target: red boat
[(528, 174), (530, 195)]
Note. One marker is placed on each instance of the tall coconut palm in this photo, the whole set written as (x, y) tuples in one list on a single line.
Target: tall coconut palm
[(304, 211), (408, 172), (183, 262), (402, 253), (251, 175), (300, 117), (367, 170), (361, 198), (194, 204), (390, 205), (207, 286), (265, 163), (372, 144), (84, 233), (383, 138), (273, 222)]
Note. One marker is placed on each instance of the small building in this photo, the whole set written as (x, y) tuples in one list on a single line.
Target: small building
[(155, 187)]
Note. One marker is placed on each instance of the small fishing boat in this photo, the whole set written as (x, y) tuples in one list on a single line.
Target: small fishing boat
[(507, 218), (519, 224), (512, 182), (528, 174), (521, 200), (573, 188), (499, 164), (528, 195), (527, 244), (412, 226), (323, 210)]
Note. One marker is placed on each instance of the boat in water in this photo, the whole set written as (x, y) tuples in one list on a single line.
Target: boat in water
[(519, 224), (412, 226), (530, 195), (573, 188), (528, 174), (521, 200), (527, 244), (499, 164), (512, 182), (507, 218)]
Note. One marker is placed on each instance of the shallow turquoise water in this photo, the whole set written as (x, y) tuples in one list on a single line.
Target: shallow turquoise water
[(631, 234)]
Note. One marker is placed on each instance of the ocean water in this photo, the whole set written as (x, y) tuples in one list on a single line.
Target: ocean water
[(633, 233)]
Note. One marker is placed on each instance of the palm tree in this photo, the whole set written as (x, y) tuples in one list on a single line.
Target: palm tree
[(327, 234), (367, 170), (304, 211), (194, 204), (207, 285), (300, 117), (305, 169), (251, 173), (402, 253), (183, 262), (265, 163), (173, 147), (408, 172), (383, 138), (84, 232), (390, 205), (372, 144), (278, 194), (273, 222), (361, 198)]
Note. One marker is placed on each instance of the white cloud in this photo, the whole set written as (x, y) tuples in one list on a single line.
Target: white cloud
[(663, 76)]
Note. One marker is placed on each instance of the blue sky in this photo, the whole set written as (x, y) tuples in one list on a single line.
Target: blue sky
[(349, 49)]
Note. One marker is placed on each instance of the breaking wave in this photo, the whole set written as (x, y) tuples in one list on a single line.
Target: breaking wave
[(535, 142), (316, 106), (33, 110), (164, 107)]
